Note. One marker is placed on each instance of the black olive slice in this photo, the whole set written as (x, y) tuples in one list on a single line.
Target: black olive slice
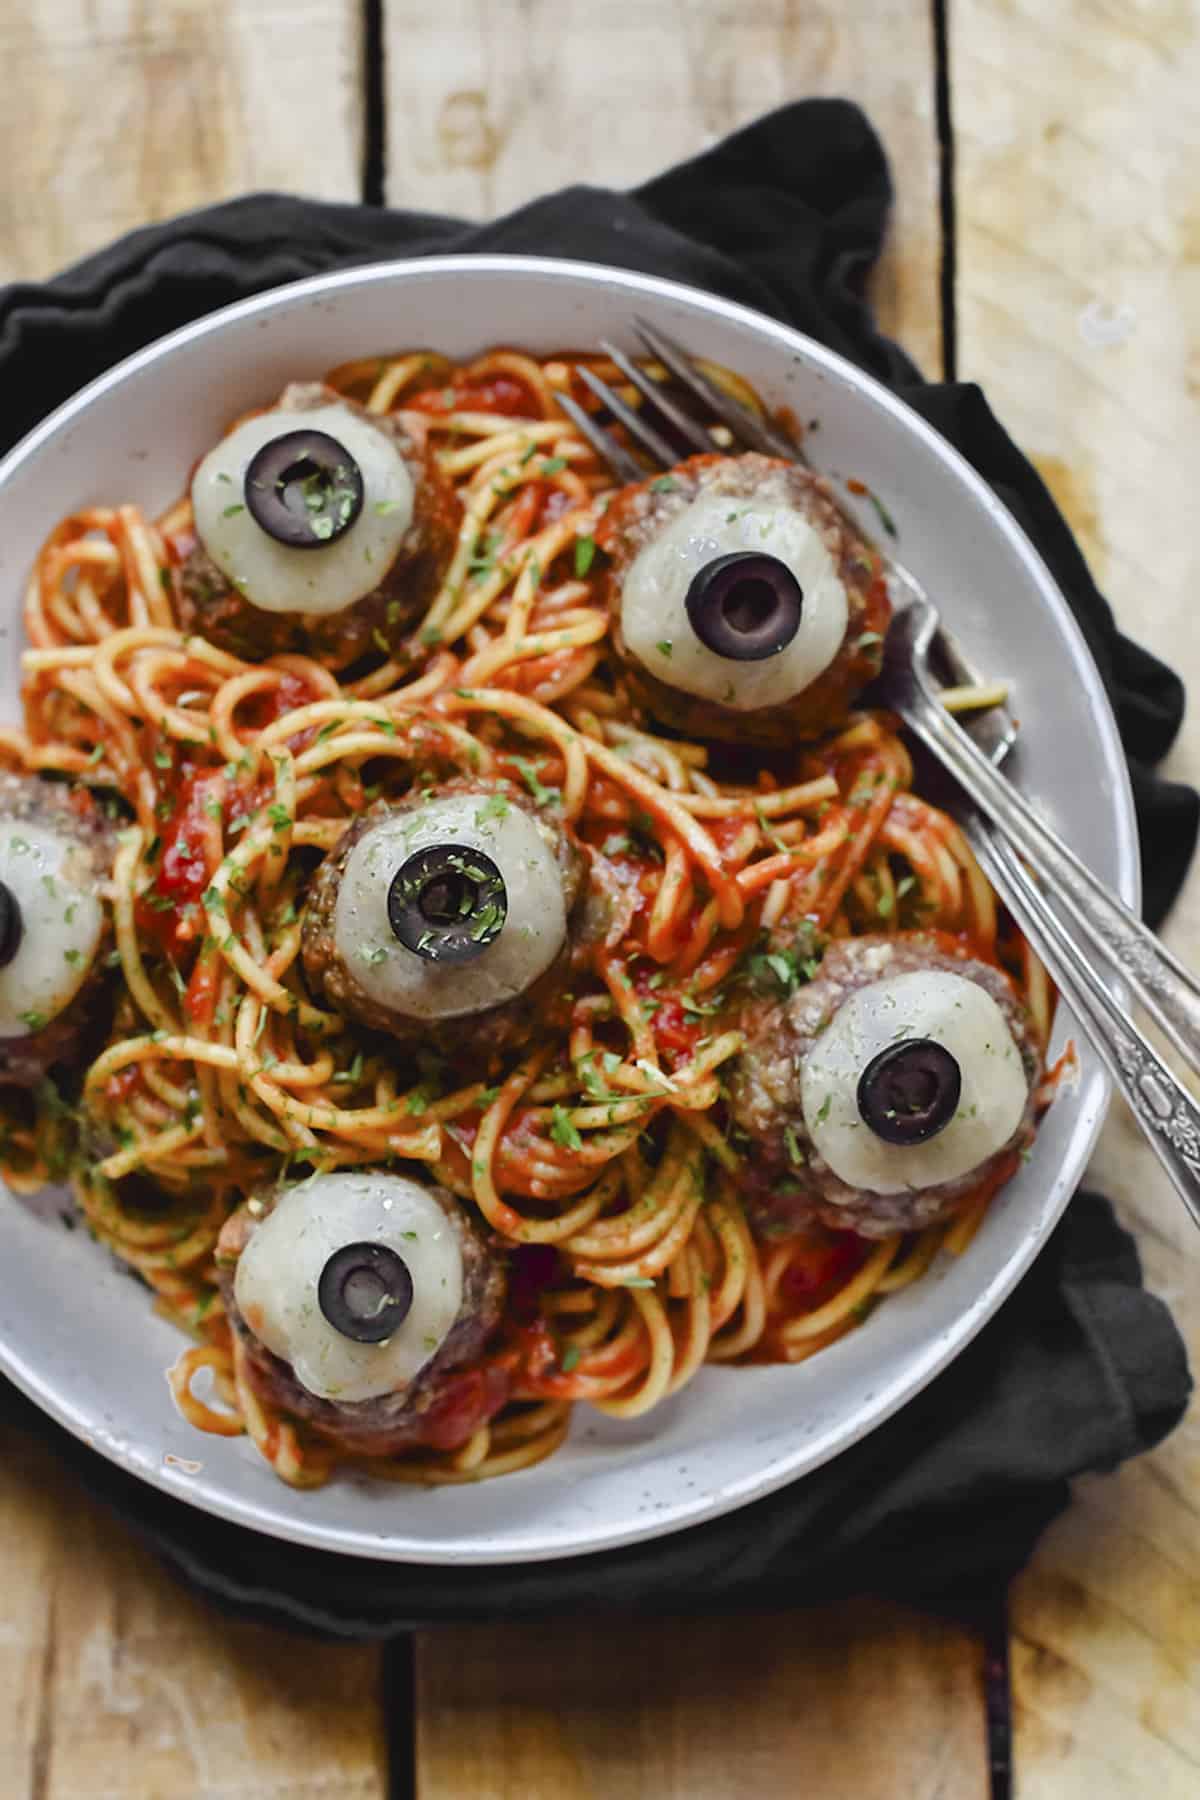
[(304, 489), (910, 1091), (745, 606), (12, 925), (365, 1292), (447, 903)]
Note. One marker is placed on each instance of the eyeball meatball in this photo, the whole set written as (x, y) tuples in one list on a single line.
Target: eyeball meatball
[(883, 1092), (744, 608), (445, 919), (360, 1298), (56, 853), (319, 527)]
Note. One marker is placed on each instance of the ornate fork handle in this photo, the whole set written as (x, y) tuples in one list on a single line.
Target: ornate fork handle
[(1168, 990), (1165, 1111)]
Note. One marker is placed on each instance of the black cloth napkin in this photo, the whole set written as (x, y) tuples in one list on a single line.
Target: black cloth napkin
[(1081, 1368)]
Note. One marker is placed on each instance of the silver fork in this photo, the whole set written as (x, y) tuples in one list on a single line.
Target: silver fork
[(1008, 836)]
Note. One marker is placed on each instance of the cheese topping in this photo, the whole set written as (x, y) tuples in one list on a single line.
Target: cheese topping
[(279, 1270), (658, 632), (927, 1003), (534, 929), (278, 577), (62, 920)]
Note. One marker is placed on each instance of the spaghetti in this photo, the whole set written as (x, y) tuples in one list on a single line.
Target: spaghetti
[(601, 1158)]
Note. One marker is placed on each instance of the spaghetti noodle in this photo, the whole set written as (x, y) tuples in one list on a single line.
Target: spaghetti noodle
[(601, 1158)]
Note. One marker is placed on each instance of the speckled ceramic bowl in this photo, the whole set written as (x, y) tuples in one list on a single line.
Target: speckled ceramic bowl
[(80, 1337)]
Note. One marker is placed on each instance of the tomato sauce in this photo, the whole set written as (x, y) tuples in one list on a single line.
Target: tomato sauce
[(817, 1270), (120, 1086), (258, 711), (170, 912), (502, 394), (465, 1402)]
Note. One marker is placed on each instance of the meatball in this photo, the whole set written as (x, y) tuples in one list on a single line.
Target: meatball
[(446, 919), (308, 1274), (56, 853), (744, 607), (364, 579), (879, 1095)]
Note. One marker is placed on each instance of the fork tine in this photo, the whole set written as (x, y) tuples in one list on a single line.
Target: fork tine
[(759, 434), (623, 466), (637, 427), (687, 427)]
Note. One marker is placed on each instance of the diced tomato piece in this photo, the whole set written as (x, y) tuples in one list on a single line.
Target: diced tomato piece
[(465, 1403)]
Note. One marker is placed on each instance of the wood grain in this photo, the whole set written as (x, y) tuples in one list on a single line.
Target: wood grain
[(1079, 307), (507, 99), (864, 1701), (119, 112), (116, 1681)]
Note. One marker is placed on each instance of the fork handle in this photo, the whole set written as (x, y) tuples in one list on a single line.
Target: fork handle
[(1166, 1113), (1168, 990)]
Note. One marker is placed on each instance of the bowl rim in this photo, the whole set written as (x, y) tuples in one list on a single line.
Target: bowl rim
[(936, 1355)]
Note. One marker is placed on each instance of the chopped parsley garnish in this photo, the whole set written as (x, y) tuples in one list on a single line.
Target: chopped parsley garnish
[(494, 807), (484, 560), (570, 1358), (885, 517), (553, 465), (227, 512), (665, 484), (664, 646), (585, 550), (823, 1111), (563, 1131), (529, 775), (34, 1020)]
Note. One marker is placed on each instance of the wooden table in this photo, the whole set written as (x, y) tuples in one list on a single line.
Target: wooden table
[(1047, 243)]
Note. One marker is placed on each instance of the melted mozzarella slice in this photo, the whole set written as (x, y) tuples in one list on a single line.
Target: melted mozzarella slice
[(532, 935), (659, 634), (277, 1275), (62, 921), (927, 1003), (277, 577)]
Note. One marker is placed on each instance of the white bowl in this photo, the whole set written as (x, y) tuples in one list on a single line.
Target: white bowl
[(76, 1333)]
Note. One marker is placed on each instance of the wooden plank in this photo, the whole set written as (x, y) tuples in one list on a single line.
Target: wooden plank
[(118, 1681), (864, 1701), (119, 112), (1077, 135), (508, 99)]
